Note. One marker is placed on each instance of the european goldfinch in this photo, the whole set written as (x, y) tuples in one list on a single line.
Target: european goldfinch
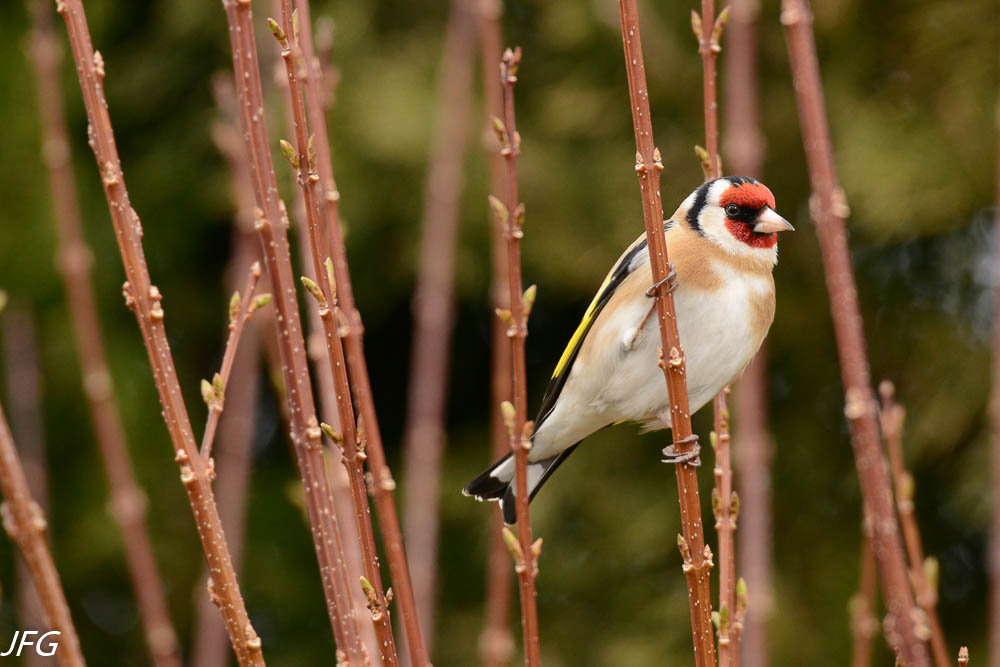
[(722, 244)]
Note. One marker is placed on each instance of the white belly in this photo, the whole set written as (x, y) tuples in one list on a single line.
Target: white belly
[(717, 342)]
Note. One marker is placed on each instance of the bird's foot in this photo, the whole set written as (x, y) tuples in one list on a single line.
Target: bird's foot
[(669, 279), (691, 457)]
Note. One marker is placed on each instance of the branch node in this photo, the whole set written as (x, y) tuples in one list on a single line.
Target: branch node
[(99, 64)]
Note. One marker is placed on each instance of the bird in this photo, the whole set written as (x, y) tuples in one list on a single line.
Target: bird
[(722, 247)]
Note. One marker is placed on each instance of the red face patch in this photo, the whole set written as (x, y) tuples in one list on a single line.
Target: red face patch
[(742, 232), (751, 195)]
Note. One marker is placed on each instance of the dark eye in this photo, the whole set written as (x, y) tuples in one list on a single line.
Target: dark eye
[(732, 210)]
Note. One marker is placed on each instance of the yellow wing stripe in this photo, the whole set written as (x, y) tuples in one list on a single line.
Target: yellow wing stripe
[(582, 329)]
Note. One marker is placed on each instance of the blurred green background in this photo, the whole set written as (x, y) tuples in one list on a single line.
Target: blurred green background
[(910, 88)]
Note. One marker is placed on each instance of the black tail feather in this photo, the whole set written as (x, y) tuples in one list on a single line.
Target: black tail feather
[(487, 487)]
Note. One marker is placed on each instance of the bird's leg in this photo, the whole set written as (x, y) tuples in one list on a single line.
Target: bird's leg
[(669, 278), (632, 336), (691, 457)]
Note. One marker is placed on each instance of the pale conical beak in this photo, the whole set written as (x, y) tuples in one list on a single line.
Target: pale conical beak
[(768, 221)]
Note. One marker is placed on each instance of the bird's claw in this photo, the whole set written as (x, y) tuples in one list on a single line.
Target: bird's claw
[(690, 457), (669, 278)]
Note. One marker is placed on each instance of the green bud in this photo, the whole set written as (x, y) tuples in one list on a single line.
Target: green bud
[(207, 393), (696, 24), (278, 33), (509, 416), (519, 213), (499, 210), (290, 154), (514, 547), (330, 279), (368, 589), (528, 301), (261, 301), (314, 290), (234, 307)]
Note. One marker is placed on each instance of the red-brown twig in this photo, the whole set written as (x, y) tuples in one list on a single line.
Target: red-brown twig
[(424, 434), (214, 392), (351, 330), (753, 471), (145, 300), (864, 624), (923, 571), (271, 226), (339, 467), (648, 165), (994, 407), (24, 400), (725, 506), (829, 210), (708, 29), (25, 524), (496, 642), (743, 146), (510, 214), (302, 159), (233, 453), (723, 500), (128, 502)]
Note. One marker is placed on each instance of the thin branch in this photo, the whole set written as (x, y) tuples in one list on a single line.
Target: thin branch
[(128, 502), (923, 571), (725, 506), (339, 466), (303, 159), (351, 330), (496, 641), (708, 30), (214, 393), (271, 224), (744, 149), (424, 434), (25, 524), (864, 624), (145, 300), (829, 210), (233, 454), (994, 407), (510, 214), (24, 386), (753, 472), (648, 165)]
